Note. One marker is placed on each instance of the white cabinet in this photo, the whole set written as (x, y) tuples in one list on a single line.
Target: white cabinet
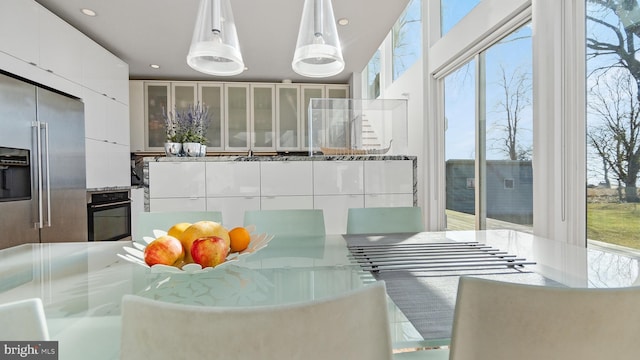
[(337, 186), (107, 164), (104, 73), (388, 200), (34, 35), (388, 177), (177, 186), (178, 204), (233, 178), (282, 178), (105, 118), (136, 115), (19, 29), (65, 59), (234, 187), (107, 141), (388, 183), (177, 180), (286, 185), (60, 45), (286, 202), (233, 208), (336, 209), (338, 177)]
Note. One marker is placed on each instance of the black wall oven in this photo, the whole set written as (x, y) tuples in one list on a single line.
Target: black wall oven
[(109, 215)]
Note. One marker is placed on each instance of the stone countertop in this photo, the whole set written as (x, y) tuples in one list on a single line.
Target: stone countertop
[(280, 158)]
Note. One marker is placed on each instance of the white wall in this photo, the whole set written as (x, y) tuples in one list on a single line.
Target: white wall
[(409, 87)]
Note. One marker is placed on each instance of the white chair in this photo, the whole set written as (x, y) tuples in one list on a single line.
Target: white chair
[(350, 326), (496, 320), (384, 220), (500, 320), (295, 222), (23, 320)]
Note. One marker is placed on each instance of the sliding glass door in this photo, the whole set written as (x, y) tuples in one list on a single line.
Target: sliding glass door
[(489, 138)]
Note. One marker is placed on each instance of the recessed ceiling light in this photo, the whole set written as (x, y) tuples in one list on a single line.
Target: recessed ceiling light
[(88, 12), (343, 21), (155, 66)]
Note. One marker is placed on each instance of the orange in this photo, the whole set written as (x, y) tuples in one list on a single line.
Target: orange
[(177, 229), (240, 239)]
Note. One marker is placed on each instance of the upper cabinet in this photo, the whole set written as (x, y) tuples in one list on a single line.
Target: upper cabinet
[(287, 117), (19, 16), (237, 116), (212, 96), (63, 58), (242, 116), (33, 34), (263, 115)]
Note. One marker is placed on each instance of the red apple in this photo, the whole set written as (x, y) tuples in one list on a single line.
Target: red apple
[(209, 251), (165, 250)]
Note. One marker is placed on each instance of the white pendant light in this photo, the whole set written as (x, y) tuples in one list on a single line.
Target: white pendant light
[(318, 52), (214, 47)]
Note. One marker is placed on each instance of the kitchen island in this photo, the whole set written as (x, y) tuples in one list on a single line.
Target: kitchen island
[(234, 184)]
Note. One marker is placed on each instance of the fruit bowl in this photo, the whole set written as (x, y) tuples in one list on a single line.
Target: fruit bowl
[(135, 254)]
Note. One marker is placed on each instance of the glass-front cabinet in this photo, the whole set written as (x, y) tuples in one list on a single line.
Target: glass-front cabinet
[(310, 92), (263, 113), (287, 117), (184, 95), (319, 92), (242, 116), (156, 103), (237, 116), (211, 96)]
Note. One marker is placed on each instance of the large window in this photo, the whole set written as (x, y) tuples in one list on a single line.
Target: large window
[(613, 121), (451, 11), (489, 138), (372, 76), (407, 38)]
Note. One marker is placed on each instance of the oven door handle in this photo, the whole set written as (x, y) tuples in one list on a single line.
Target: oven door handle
[(109, 204)]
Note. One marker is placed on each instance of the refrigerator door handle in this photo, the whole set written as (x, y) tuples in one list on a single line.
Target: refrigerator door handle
[(38, 155), (47, 178)]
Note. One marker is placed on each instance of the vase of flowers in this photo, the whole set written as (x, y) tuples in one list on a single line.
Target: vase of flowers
[(174, 133), (195, 123), (187, 128)]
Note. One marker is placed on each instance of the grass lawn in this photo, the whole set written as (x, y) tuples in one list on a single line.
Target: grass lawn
[(614, 223)]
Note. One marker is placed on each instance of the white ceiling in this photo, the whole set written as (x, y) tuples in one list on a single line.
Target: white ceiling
[(143, 32)]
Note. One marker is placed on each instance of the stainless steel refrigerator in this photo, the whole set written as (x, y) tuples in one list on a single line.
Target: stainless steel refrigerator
[(42, 165)]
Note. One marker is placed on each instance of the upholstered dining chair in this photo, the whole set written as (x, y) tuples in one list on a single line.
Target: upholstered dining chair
[(295, 222), (163, 220), (384, 220), (353, 325), (23, 320), (499, 320)]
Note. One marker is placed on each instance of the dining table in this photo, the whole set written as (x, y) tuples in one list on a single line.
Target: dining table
[(82, 284)]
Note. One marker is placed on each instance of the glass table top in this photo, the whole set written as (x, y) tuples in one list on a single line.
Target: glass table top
[(82, 284)]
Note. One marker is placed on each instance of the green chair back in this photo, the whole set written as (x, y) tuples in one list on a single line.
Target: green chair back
[(295, 222), (163, 220), (384, 220)]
